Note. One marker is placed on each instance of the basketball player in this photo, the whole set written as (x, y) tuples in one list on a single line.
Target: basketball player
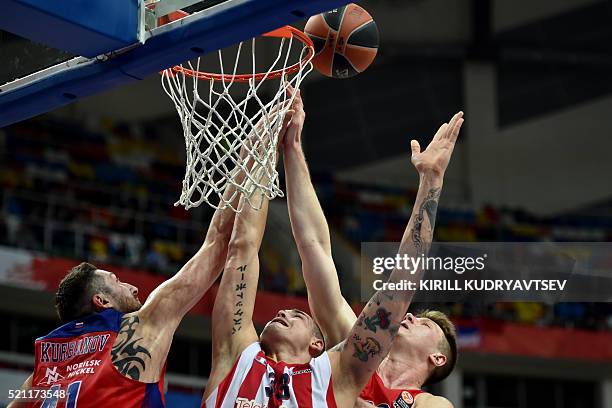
[(425, 350), (287, 365), (111, 350)]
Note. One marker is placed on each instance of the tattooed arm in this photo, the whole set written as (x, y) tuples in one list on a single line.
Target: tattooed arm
[(311, 233), (370, 339), (232, 317), (130, 352), (142, 344)]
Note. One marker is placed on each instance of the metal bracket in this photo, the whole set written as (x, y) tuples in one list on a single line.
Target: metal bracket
[(150, 20), (165, 7)]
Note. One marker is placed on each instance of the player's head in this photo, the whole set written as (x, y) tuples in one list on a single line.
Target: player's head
[(296, 328), (429, 337), (86, 290)]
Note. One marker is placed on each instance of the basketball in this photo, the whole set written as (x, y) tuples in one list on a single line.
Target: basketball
[(345, 41)]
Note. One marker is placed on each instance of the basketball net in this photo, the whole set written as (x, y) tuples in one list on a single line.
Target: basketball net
[(231, 137)]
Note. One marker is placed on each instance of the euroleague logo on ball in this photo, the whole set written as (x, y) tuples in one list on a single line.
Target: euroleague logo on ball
[(345, 41)]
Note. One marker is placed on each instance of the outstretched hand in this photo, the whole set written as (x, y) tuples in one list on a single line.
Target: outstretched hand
[(294, 118), (261, 136), (435, 158)]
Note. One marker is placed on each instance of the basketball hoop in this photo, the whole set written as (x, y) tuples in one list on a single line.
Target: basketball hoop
[(231, 132)]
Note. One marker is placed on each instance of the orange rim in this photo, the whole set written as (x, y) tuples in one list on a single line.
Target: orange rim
[(283, 32)]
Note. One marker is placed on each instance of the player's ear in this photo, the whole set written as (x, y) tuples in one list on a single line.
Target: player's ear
[(437, 359), (101, 301), (317, 346)]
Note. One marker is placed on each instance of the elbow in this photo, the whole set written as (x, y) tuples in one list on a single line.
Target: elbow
[(314, 243), (219, 233), (241, 247)]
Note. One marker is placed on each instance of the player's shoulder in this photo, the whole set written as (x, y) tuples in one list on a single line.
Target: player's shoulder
[(131, 321), (138, 320), (427, 400)]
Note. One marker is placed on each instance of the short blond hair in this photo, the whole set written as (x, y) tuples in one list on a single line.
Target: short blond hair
[(447, 345)]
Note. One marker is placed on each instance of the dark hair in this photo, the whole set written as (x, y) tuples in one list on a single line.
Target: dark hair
[(448, 345), (73, 297), (318, 333)]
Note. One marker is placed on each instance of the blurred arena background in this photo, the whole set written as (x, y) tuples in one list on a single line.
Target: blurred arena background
[(96, 181)]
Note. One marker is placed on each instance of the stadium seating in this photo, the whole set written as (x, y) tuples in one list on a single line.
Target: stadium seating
[(107, 196)]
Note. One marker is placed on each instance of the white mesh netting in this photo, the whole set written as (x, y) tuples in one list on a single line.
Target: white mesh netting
[(231, 131)]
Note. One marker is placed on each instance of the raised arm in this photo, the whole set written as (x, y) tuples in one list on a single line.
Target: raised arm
[(232, 317), (232, 322), (167, 305), (372, 335), (145, 336), (170, 301), (311, 233), (144, 339)]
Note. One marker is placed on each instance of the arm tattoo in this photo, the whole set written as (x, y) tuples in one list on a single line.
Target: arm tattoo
[(129, 357), (428, 207), (239, 290), (366, 348), (380, 319), (381, 296), (372, 320)]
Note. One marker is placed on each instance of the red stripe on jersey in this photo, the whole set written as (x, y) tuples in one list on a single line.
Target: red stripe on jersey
[(302, 387), (329, 398), (253, 379), (377, 393), (160, 384), (254, 370), (223, 387)]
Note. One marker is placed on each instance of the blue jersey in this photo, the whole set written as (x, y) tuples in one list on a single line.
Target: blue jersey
[(74, 364)]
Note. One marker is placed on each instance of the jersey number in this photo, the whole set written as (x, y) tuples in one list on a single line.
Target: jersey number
[(72, 395), (282, 389)]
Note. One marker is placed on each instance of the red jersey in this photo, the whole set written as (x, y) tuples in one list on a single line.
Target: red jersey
[(255, 381), (74, 361), (377, 394)]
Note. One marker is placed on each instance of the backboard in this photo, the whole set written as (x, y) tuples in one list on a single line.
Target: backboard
[(55, 55)]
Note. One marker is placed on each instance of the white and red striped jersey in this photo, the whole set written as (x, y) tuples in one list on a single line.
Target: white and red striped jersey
[(258, 382)]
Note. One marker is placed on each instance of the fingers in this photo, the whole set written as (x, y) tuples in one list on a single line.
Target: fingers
[(415, 147), (441, 132), (285, 125), (297, 105), (291, 91), (451, 130), (288, 117), (278, 107), (297, 99), (295, 95), (456, 129)]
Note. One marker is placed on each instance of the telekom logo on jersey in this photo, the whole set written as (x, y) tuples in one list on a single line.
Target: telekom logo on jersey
[(246, 403), (61, 351)]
